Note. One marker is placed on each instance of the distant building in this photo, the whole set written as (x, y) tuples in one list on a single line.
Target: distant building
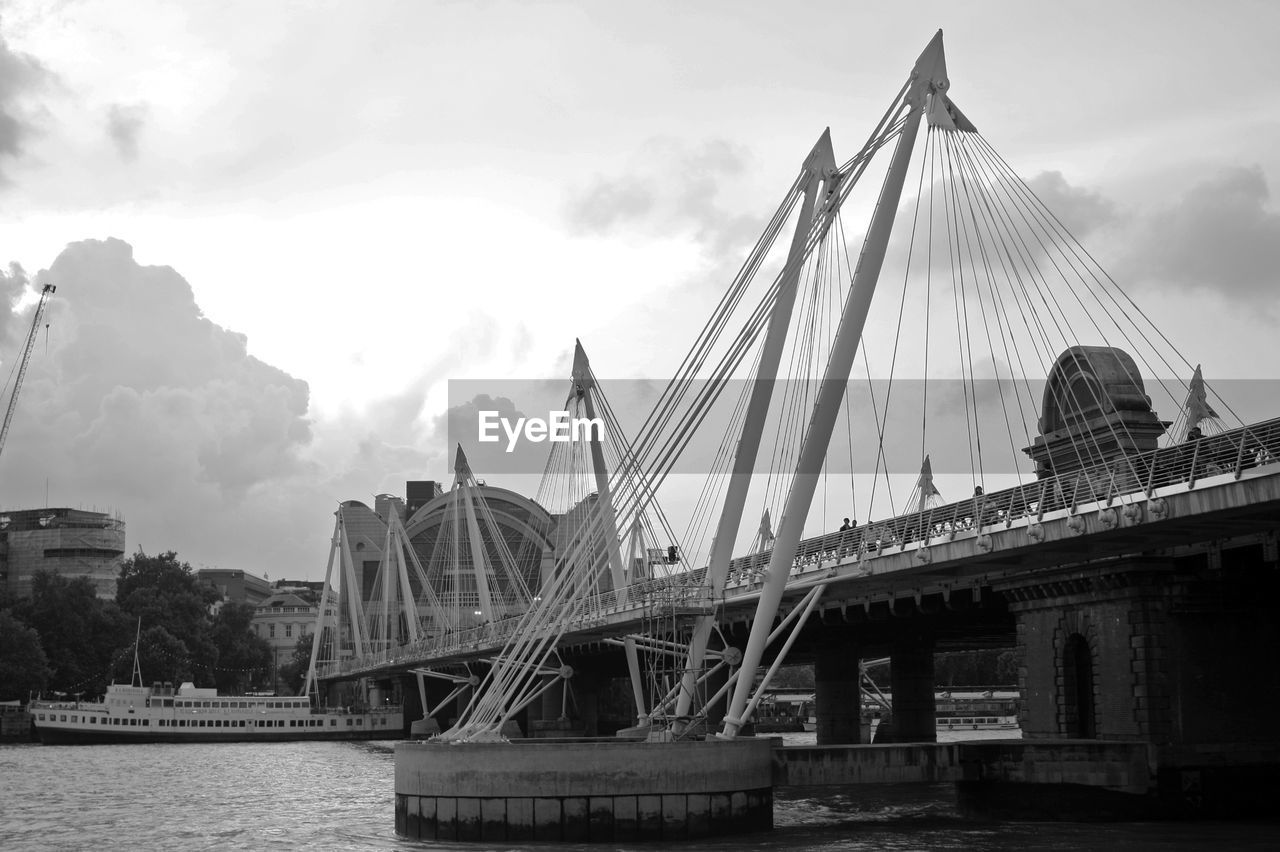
[(310, 590), (282, 619), (420, 492), (69, 542), (523, 527), (235, 585)]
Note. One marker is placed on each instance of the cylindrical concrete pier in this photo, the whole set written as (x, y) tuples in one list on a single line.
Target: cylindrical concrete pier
[(597, 791)]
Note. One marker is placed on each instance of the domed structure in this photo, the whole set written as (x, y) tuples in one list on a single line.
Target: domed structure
[(523, 540), (1095, 408)]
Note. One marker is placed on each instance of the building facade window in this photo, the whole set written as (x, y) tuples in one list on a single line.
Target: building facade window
[(271, 630), (288, 631)]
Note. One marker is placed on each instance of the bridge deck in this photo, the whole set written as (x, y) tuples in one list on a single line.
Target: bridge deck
[(1219, 485)]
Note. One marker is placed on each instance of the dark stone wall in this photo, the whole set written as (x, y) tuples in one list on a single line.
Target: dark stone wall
[(1180, 648)]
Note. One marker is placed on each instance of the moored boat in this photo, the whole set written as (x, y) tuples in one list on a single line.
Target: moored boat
[(977, 723), (159, 713)]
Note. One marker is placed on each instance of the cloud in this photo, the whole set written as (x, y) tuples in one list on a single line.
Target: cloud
[(20, 75), (669, 188), (124, 123), (135, 402), (154, 388), (13, 285), (460, 425), (1221, 236), (1081, 210)]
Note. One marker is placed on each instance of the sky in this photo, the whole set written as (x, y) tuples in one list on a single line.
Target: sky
[(278, 230)]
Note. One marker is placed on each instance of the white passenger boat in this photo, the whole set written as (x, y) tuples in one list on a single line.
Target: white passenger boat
[(158, 713), (977, 723)]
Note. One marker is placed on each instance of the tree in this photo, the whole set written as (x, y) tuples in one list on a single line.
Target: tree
[(161, 657), (987, 667), (244, 657), (164, 592), (799, 677), (1007, 668), (81, 634), (294, 672), (24, 669)]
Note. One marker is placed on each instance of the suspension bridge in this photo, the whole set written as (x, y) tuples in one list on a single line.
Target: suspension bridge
[(1115, 551)]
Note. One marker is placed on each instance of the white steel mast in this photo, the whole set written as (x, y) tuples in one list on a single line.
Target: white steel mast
[(929, 77), (819, 169)]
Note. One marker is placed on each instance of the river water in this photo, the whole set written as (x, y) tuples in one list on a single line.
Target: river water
[(340, 796)]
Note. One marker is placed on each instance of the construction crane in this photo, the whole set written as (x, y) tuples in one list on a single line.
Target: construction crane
[(22, 365)]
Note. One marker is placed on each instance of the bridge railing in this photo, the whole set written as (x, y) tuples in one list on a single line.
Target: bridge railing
[(680, 592), (1232, 451)]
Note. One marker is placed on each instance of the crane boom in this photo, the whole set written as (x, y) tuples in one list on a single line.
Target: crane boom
[(22, 365)]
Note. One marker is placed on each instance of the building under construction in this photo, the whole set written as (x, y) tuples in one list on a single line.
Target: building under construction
[(70, 542)]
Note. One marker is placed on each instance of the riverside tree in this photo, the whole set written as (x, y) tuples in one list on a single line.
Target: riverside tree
[(244, 657), (80, 634), (24, 669), (64, 638), (164, 592), (185, 632)]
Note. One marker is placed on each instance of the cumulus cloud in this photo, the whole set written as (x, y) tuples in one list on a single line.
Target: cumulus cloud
[(13, 284), (124, 124), (1081, 210), (20, 75), (138, 363), (669, 188), (1221, 236), (460, 425), (135, 402)]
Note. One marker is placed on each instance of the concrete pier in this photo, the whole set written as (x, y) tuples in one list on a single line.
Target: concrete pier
[(837, 695), (911, 679), (596, 791), (1074, 779)]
